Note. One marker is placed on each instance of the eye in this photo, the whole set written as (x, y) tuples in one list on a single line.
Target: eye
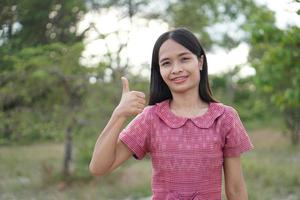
[(165, 64), (185, 59)]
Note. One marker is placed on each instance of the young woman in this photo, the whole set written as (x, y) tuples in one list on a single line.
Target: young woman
[(189, 136)]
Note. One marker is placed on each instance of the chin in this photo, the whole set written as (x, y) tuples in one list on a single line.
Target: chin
[(183, 88), (180, 89)]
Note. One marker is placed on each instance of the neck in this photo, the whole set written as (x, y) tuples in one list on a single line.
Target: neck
[(187, 103)]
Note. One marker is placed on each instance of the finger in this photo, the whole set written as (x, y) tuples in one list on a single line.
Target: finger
[(141, 100), (139, 94), (138, 97), (140, 105), (139, 110), (125, 84), (136, 110)]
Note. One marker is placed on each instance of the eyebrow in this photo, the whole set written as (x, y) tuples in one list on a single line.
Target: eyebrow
[(181, 54)]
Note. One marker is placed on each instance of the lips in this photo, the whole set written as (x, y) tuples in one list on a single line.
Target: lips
[(179, 79)]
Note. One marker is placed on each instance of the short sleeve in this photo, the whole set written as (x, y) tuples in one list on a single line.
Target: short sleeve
[(136, 134), (236, 138)]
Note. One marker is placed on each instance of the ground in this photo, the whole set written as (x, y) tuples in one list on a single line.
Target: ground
[(31, 172)]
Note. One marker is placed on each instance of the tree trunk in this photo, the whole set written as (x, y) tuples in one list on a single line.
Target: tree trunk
[(68, 152), (292, 118), (230, 89), (295, 137)]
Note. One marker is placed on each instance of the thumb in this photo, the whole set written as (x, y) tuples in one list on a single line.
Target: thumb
[(125, 84)]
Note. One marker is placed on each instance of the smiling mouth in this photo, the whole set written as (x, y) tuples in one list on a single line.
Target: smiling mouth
[(179, 79)]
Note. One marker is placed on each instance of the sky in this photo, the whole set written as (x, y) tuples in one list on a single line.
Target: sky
[(141, 36)]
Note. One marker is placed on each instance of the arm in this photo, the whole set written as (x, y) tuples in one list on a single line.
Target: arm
[(235, 186), (109, 151)]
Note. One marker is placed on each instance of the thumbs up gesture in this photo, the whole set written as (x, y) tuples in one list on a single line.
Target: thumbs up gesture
[(132, 102)]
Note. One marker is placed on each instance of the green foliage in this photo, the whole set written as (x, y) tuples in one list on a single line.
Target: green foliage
[(201, 15), (33, 22), (194, 16), (44, 90), (129, 8), (298, 11), (241, 93), (281, 70), (33, 97), (274, 54)]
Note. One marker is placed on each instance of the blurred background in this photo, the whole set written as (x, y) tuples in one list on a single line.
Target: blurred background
[(60, 69)]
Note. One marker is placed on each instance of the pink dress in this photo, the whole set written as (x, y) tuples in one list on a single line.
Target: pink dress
[(187, 154)]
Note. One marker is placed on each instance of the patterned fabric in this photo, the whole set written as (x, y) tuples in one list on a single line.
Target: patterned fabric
[(173, 195), (187, 154)]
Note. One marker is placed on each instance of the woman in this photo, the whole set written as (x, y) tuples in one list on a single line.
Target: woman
[(188, 134)]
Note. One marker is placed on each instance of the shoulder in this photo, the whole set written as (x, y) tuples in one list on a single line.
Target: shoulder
[(152, 111), (147, 113), (149, 110), (230, 111), (223, 111), (157, 110), (142, 120), (230, 118)]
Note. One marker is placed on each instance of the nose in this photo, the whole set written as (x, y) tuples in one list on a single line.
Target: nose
[(176, 68)]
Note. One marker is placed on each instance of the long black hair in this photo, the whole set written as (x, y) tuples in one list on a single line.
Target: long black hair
[(159, 90)]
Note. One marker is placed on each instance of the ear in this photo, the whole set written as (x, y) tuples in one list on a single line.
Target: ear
[(200, 59)]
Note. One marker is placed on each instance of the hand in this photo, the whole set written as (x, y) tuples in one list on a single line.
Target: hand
[(131, 103)]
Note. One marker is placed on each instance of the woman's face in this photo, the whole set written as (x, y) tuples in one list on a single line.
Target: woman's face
[(179, 67)]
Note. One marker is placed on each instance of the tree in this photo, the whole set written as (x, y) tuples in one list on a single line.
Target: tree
[(39, 41), (201, 16), (32, 22), (274, 54), (298, 11), (42, 95)]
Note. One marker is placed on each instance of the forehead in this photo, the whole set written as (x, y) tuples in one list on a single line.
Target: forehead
[(171, 48)]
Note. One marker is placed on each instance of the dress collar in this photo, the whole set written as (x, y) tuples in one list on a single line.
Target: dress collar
[(162, 109)]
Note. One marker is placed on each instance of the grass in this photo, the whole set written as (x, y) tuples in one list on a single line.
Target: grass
[(32, 172), (272, 170)]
